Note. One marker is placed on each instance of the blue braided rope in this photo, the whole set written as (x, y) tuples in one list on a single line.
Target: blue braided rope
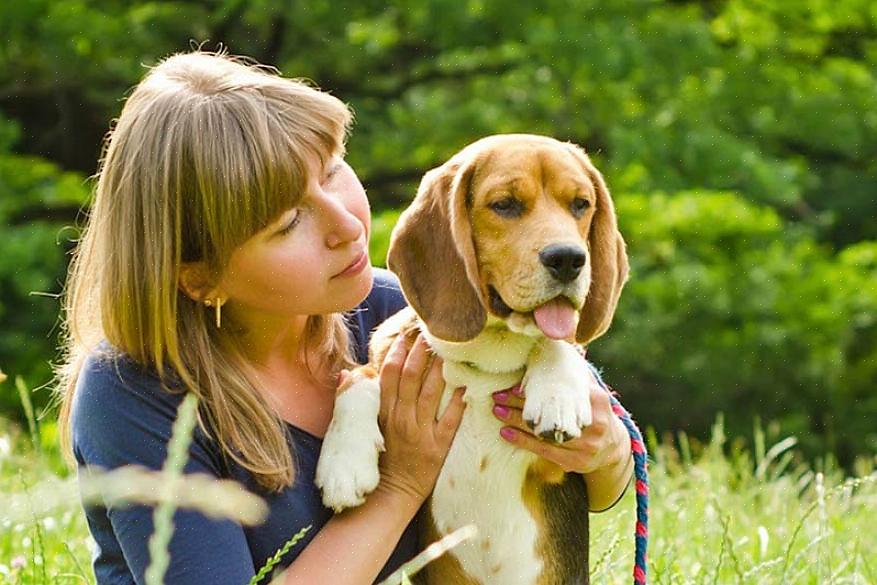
[(641, 476)]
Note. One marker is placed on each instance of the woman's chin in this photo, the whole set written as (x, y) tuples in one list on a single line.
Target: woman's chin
[(357, 288)]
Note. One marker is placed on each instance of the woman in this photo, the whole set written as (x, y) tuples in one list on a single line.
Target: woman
[(226, 255)]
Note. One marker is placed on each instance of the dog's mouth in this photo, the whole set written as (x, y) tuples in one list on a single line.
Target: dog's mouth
[(556, 318), (497, 305)]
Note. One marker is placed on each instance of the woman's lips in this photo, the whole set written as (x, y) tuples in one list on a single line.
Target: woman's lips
[(355, 267)]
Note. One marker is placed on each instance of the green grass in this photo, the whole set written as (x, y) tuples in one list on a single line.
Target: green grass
[(720, 513)]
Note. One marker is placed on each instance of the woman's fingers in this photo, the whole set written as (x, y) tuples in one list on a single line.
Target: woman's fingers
[(450, 419), (390, 375), (511, 417), (411, 384), (570, 456), (430, 393), (412, 375), (567, 459), (601, 442)]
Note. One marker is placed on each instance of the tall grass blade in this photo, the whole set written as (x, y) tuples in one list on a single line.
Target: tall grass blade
[(432, 552), (278, 556), (772, 454), (27, 404), (178, 452)]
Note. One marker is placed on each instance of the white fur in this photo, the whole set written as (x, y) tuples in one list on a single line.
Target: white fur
[(555, 382), (491, 498), (556, 401), (348, 465)]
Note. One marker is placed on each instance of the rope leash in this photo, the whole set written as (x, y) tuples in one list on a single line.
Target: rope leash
[(641, 475)]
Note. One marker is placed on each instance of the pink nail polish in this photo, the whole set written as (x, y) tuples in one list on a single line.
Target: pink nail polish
[(501, 411), (501, 397), (507, 433), (518, 390)]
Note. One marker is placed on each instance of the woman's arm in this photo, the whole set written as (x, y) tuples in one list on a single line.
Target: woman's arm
[(354, 545)]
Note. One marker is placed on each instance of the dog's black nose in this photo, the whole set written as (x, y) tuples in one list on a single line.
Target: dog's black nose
[(563, 261)]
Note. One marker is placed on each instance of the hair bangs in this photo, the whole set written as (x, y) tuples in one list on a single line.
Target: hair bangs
[(263, 145)]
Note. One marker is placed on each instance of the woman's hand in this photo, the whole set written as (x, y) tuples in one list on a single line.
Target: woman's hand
[(417, 440), (602, 453)]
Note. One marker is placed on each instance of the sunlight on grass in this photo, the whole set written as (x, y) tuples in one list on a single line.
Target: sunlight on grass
[(720, 513)]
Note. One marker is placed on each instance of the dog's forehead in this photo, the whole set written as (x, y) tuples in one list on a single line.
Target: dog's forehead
[(525, 166)]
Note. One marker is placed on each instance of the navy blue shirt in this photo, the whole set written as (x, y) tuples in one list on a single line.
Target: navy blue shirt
[(122, 416)]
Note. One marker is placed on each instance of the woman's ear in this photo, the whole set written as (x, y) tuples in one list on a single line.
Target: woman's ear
[(196, 282)]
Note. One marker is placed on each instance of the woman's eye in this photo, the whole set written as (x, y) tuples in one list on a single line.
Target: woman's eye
[(290, 225), (334, 167)]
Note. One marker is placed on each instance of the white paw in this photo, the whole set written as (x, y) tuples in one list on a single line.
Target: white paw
[(559, 414), (348, 467), (348, 471), (557, 387)]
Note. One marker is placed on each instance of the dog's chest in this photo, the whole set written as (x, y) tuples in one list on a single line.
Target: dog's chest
[(481, 483)]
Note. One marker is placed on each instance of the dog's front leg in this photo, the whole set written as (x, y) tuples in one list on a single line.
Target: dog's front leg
[(348, 467), (557, 404)]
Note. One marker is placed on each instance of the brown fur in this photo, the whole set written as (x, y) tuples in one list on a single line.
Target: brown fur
[(560, 507), (450, 247), (450, 225), (446, 569), (381, 346)]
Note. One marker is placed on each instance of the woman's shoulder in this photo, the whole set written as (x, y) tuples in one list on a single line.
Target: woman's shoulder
[(386, 292), (384, 301), (121, 413), (109, 381)]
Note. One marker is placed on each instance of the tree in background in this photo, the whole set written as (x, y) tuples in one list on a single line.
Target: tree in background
[(771, 103)]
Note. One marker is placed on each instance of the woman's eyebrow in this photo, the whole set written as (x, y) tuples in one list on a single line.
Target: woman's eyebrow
[(281, 220)]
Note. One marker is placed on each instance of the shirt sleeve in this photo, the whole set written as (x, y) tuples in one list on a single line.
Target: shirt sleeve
[(384, 300), (119, 419), (387, 295)]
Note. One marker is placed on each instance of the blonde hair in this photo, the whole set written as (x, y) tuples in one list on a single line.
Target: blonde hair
[(207, 151)]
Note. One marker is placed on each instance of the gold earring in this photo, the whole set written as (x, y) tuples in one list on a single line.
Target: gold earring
[(209, 303)]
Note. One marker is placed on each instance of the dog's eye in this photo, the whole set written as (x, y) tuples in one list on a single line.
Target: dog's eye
[(508, 207), (579, 205)]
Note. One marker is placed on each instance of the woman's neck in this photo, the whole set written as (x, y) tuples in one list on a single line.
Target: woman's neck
[(269, 340)]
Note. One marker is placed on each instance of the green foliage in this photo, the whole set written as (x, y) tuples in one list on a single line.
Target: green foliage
[(772, 101), (715, 519), (379, 241), (731, 308), (32, 264)]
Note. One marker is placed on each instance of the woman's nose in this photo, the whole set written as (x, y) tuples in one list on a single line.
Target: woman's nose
[(342, 225)]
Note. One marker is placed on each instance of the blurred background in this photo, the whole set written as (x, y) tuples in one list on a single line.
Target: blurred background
[(739, 140)]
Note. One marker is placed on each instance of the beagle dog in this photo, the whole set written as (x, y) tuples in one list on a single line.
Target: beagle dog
[(509, 254)]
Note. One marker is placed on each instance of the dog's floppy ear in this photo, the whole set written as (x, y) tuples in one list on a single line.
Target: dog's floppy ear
[(432, 253), (609, 265)]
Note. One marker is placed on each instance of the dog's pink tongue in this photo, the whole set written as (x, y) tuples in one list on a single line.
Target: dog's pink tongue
[(556, 318)]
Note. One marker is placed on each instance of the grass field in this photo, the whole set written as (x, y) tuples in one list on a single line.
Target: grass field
[(720, 513)]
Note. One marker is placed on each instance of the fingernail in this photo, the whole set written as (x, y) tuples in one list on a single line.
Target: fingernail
[(501, 397), (518, 390), (507, 433), (501, 411)]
